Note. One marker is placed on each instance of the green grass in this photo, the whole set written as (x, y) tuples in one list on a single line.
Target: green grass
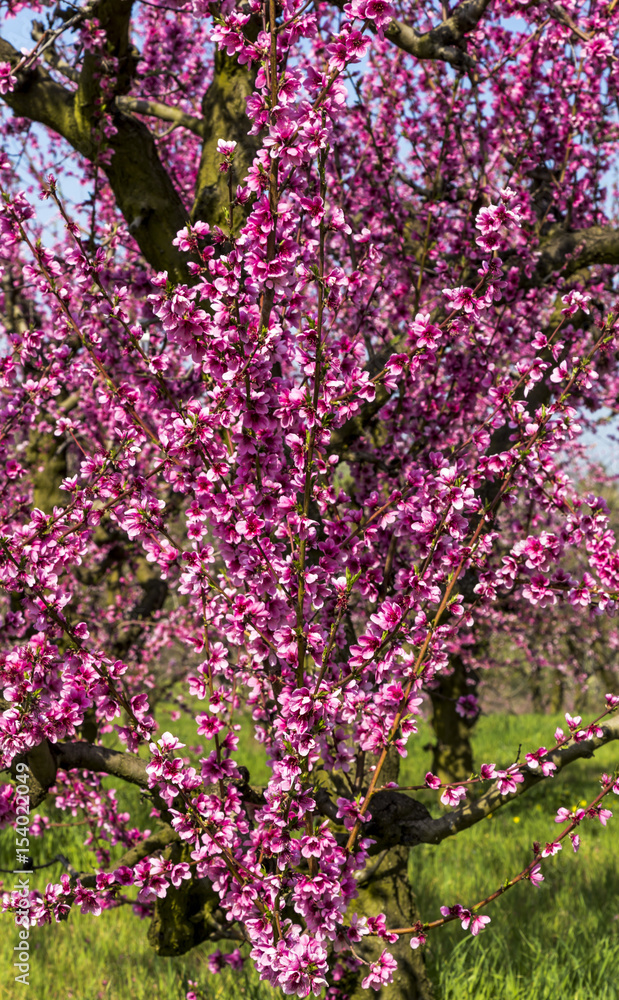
[(558, 941)]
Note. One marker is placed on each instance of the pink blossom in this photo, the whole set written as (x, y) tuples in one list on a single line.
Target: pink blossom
[(535, 875), (575, 300), (379, 11), (380, 972), (461, 298), (315, 208), (467, 706), (477, 923), (452, 796), (7, 80), (432, 781), (508, 780)]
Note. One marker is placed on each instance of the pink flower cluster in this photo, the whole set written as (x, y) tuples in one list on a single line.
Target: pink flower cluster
[(298, 486)]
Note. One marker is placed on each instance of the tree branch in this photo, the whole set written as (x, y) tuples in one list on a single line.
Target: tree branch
[(162, 111), (570, 252), (143, 190), (157, 841), (447, 41), (50, 55), (472, 813), (86, 756), (114, 17), (404, 823), (89, 757)]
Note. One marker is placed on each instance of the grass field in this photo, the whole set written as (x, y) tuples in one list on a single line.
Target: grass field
[(556, 942)]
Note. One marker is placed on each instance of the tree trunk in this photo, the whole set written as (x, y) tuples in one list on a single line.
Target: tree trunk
[(452, 754), (388, 890), (557, 697), (391, 893)]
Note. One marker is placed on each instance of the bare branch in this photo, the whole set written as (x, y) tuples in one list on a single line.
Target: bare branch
[(46, 38), (51, 56), (156, 109), (102, 760), (447, 41)]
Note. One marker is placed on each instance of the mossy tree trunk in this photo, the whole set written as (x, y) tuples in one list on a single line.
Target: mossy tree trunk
[(391, 893)]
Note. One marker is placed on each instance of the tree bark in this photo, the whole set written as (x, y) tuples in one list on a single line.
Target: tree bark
[(452, 754), (224, 110), (391, 893)]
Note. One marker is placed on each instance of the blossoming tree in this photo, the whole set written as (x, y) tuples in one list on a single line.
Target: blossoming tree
[(322, 306)]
